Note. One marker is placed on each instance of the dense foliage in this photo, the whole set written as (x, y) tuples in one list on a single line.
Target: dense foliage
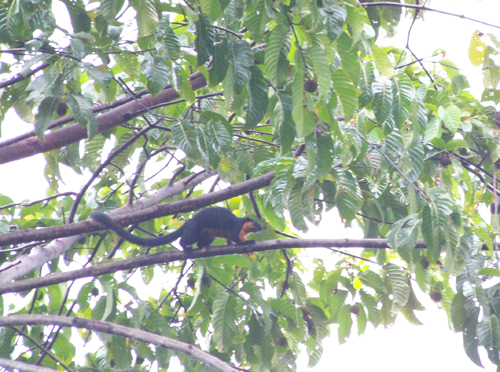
[(293, 103)]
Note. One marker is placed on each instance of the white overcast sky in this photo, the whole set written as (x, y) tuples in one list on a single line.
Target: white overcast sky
[(404, 347)]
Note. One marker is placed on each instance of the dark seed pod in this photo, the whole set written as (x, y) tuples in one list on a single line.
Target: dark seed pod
[(62, 108), (310, 85), (444, 160), (424, 262), (355, 309), (436, 296)]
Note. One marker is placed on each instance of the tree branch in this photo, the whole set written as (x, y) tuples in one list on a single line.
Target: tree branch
[(172, 256), (118, 330), (75, 132), (24, 367)]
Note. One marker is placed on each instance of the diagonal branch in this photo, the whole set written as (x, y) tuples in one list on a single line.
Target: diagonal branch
[(75, 132), (120, 330)]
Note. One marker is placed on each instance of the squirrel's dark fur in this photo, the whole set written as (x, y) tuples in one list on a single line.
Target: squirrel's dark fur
[(202, 229)]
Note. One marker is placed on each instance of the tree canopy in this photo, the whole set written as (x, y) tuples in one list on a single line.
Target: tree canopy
[(278, 110)]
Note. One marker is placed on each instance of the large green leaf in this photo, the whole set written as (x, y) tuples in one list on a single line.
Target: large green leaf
[(257, 98), (346, 91), (185, 137), (241, 60), (403, 95), (345, 323), (488, 334), (304, 121), (322, 69), (82, 110), (211, 8), (167, 41), (335, 16), (80, 20), (450, 117), (400, 287), (277, 49), (256, 21), (205, 37), (382, 101), (365, 83), (147, 16), (45, 115), (295, 206), (157, 73), (382, 62), (349, 56), (223, 320), (220, 63)]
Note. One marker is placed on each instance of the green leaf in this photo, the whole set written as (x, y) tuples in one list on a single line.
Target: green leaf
[(205, 37), (489, 271), (185, 137), (286, 308), (223, 320), (304, 121), (408, 310), (322, 70), (157, 73), (167, 41), (211, 8), (296, 207), (103, 78), (400, 287), (346, 91), (458, 313), (371, 304), (80, 20), (334, 19), (450, 117), (403, 235), (120, 352), (491, 69), (281, 117), (349, 56), (109, 9), (129, 64), (82, 110), (241, 59), (382, 62), (325, 145), (488, 334), (257, 98), (277, 49), (403, 95), (382, 101), (45, 115), (373, 280), (220, 62), (147, 16), (433, 130), (345, 323), (365, 84), (256, 21)]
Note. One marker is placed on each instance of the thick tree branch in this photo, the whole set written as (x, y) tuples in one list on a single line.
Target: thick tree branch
[(156, 211), (75, 132), (23, 367), (118, 330), (25, 264), (172, 256)]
